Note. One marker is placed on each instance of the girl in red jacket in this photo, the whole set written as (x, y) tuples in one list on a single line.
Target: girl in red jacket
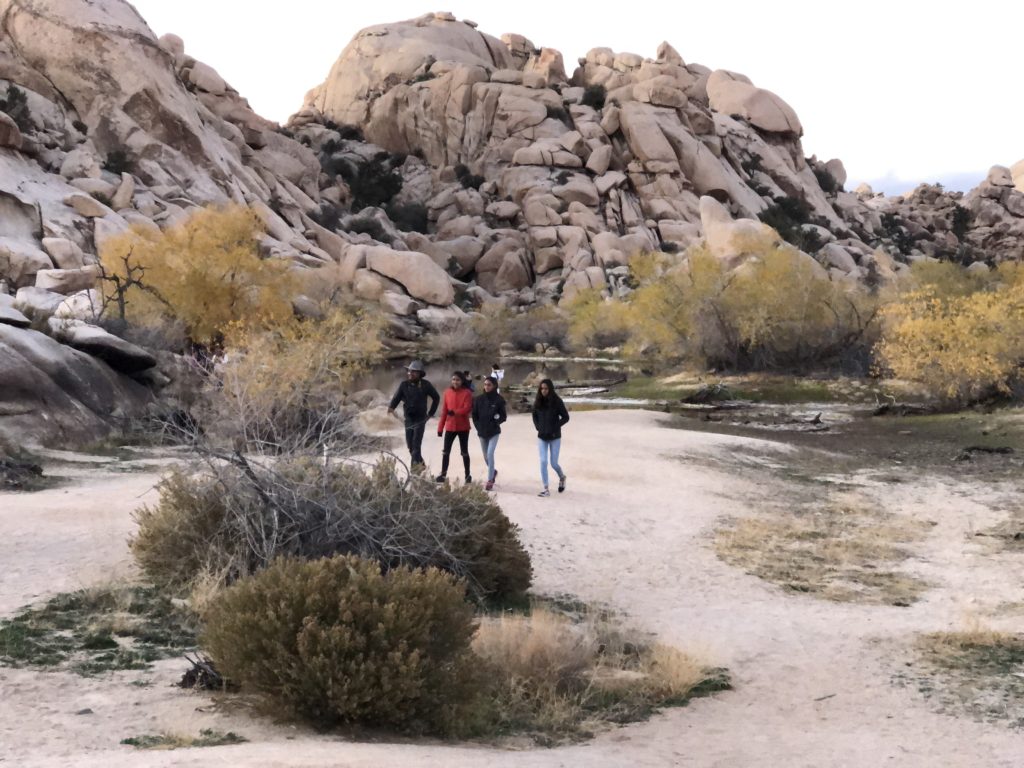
[(455, 409)]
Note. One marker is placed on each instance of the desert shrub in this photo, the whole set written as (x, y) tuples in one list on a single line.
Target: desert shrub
[(826, 180), (349, 132), (787, 215), (778, 309), (327, 215), (15, 104), (205, 273), (467, 178), (248, 513), (336, 641), (373, 183), (559, 113), (544, 325), (961, 338), (961, 221), (408, 217), (892, 229), (594, 96), (595, 321), (182, 536), (118, 162), (368, 225), (278, 391)]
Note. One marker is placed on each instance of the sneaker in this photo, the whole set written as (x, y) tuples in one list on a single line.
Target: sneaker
[(488, 485), (545, 493), (441, 478), (469, 479), (561, 483)]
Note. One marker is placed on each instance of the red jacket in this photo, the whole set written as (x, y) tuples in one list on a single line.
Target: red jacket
[(459, 401)]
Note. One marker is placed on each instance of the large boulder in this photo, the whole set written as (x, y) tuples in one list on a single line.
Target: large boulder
[(734, 94), (421, 277), (53, 394), (121, 355)]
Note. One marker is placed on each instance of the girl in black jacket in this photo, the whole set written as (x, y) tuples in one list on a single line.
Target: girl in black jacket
[(549, 416), (488, 415)]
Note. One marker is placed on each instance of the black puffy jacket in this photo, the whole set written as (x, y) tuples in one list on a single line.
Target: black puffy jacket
[(550, 418), (488, 414)]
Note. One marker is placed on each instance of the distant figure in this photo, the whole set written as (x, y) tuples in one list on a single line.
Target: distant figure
[(549, 416), (488, 415), (455, 410), (414, 392), (498, 373), (468, 381)]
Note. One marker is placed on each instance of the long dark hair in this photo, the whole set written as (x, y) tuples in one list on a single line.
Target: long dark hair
[(545, 402)]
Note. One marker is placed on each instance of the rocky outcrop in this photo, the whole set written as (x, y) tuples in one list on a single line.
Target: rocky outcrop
[(51, 393)]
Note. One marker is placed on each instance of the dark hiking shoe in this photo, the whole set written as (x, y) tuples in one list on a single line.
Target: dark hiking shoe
[(561, 484), (545, 493), (441, 478)]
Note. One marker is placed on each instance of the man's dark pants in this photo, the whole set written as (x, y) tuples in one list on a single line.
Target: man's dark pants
[(414, 440)]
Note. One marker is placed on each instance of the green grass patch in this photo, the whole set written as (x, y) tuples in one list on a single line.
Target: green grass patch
[(97, 630), (206, 738)]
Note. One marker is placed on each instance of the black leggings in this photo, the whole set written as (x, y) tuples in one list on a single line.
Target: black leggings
[(449, 439)]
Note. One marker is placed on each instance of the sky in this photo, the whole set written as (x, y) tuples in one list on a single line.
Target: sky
[(902, 91)]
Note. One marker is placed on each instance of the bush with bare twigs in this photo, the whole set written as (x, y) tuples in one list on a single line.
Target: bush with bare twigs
[(238, 515), (338, 641)]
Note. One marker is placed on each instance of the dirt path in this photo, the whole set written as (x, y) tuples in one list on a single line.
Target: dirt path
[(633, 531)]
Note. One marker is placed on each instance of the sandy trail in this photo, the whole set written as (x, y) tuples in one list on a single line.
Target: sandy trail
[(633, 530)]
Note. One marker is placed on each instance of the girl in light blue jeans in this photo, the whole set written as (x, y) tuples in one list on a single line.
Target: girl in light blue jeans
[(549, 416), (489, 413)]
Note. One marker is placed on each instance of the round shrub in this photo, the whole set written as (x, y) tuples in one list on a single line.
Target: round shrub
[(336, 641), (229, 521)]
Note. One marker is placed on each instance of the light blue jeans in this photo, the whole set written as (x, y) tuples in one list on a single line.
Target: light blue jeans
[(545, 447), (488, 445)]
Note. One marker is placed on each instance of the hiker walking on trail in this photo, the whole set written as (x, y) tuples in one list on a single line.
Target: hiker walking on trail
[(455, 409), (549, 416), (414, 392), (488, 415)]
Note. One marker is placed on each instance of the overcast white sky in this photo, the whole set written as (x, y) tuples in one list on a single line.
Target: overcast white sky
[(904, 90)]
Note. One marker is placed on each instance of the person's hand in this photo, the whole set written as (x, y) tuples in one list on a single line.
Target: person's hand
[(439, 433)]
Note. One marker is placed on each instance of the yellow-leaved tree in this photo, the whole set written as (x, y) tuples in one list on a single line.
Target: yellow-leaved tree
[(777, 308), (959, 334), (205, 273), (596, 321)]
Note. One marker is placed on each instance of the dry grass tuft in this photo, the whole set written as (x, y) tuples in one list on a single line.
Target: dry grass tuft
[(977, 671), (556, 678), (845, 551)]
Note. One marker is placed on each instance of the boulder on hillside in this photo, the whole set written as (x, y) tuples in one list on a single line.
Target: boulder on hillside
[(52, 394), (421, 277), (121, 355)]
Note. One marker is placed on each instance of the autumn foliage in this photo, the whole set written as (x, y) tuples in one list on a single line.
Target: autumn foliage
[(779, 308), (960, 335), (205, 273)]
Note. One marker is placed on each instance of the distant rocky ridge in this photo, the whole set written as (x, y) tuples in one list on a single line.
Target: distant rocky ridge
[(527, 183)]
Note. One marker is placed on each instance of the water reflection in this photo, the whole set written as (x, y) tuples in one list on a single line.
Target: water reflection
[(517, 372)]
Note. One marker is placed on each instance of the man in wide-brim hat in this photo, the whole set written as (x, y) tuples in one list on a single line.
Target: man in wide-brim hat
[(414, 392)]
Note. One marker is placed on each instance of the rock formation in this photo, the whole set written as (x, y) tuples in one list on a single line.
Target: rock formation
[(439, 167)]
